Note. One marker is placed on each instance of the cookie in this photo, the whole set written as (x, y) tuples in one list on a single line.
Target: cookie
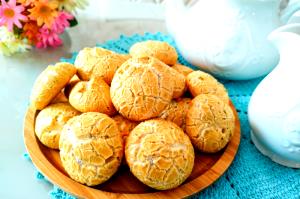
[(92, 96), (49, 83), (50, 122), (60, 97), (176, 112), (125, 56), (179, 83), (199, 82), (141, 88), (210, 123), (125, 125), (93, 62), (182, 69), (73, 81), (159, 154), (158, 49), (91, 148)]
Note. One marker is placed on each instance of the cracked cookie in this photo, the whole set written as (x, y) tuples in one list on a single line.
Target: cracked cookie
[(159, 154), (179, 83), (199, 82), (176, 112), (92, 96), (50, 122), (93, 62), (49, 83), (210, 123), (91, 148), (158, 49), (125, 125), (182, 69), (141, 88)]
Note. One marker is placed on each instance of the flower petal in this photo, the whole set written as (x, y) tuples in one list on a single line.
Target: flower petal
[(23, 18), (3, 2), (18, 24), (10, 26), (19, 9), (12, 3)]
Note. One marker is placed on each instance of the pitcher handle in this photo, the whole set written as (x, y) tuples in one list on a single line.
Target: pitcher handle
[(295, 18), (290, 14)]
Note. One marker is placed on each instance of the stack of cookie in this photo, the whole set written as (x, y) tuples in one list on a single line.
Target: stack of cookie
[(144, 105)]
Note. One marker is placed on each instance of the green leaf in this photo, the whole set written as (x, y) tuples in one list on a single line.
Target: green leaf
[(17, 31), (73, 22)]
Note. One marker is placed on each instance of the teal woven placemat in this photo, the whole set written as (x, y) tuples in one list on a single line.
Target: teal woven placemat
[(251, 175)]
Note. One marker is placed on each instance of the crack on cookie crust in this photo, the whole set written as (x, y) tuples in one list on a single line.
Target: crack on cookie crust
[(152, 151), (91, 148)]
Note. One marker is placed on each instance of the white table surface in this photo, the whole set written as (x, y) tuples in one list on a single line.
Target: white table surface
[(17, 74)]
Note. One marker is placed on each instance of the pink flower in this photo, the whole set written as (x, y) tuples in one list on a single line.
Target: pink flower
[(10, 14), (61, 22), (50, 37), (47, 38)]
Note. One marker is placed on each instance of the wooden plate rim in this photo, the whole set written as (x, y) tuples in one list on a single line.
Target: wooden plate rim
[(82, 191)]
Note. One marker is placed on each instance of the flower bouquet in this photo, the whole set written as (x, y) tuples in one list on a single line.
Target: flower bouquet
[(35, 23)]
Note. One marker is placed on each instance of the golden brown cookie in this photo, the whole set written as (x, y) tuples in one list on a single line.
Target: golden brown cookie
[(125, 125), (73, 81), (159, 154), (125, 56), (49, 83), (176, 112), (92, 96), (158, 49), (179, 83), (210, 123), (141, 88), (199, 82), (60, 97), (93, 62), (91, 148), (182, 69), (50, 122)]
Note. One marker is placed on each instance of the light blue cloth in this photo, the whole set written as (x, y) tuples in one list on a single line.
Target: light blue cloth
[(251, 175)]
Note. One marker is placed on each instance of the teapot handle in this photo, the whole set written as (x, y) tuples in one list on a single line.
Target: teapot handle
[(291, 14), (295, 18)]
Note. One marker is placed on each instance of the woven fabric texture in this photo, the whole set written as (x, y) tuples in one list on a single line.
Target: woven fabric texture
[(251, 174)]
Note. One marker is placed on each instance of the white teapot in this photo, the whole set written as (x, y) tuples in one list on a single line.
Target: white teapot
[(274, 108), (228, 38)]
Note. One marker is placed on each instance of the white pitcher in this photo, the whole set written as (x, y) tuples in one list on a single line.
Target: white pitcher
[(229, 37), (274, 108)]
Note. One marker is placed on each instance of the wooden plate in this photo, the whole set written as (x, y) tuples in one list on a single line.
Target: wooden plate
[(208, 168)]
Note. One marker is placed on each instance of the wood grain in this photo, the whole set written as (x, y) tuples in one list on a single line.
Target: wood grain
[(123, 185)]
